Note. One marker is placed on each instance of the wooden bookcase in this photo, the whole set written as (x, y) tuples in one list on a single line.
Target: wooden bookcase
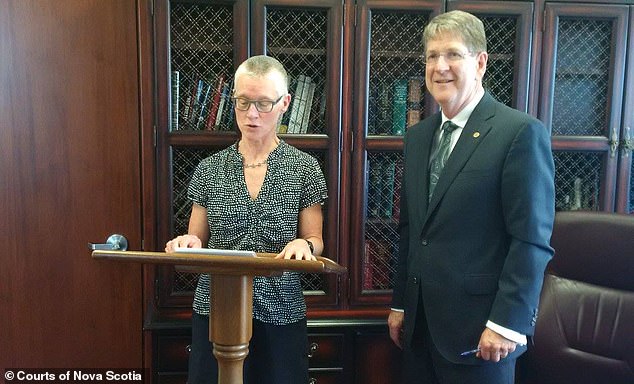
[(561, 61)]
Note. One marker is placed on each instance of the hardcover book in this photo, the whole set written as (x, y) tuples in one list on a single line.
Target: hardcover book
[(221, 107), (299, 88), (175, 99), (308, 108), (413, 100), (384, 114), (203, 108), (399, 107), (295, 126), (210, 124), (194, 110)]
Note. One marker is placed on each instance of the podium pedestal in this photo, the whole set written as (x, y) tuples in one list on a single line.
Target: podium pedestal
[(231, 295)]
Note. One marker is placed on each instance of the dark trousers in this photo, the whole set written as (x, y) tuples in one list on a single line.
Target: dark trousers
[(422, 363), (277, 354)]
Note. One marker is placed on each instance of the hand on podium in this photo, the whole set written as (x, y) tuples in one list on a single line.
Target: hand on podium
[(185, 241), (299, 249)]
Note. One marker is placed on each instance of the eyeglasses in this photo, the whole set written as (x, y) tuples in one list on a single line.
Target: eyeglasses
[(451, 57), (264, 106)]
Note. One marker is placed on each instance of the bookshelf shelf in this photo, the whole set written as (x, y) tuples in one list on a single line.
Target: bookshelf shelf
[(275, 51), (396, 54), (577, 71), (180, 46)]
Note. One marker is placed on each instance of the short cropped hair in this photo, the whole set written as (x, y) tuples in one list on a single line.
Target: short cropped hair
[(263, 65), (461, 24)]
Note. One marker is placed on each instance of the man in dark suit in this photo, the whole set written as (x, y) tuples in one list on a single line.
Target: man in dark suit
[(476, 218)]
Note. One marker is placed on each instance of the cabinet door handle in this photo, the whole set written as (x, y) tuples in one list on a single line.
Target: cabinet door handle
[(614, 142), (628, 142), (188, 348), (312, 380), (312, 349)]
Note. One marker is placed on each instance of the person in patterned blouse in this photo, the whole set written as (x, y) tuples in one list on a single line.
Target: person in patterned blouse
[(263, 195)]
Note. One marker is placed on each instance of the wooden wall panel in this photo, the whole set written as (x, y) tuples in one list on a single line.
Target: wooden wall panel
[(69, 175)]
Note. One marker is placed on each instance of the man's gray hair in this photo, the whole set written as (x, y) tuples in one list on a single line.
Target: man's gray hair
[(460, 24)]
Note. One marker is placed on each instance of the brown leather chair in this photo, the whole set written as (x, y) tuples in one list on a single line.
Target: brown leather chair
[(585, 329)]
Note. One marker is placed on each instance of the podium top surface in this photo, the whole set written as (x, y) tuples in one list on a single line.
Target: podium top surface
[(261, 265)]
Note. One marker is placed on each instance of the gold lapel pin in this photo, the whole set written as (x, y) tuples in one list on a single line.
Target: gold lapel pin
[(476, 134)]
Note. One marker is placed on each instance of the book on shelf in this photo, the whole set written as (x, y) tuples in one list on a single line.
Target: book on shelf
[(374, 190), (175, 99), (396, 194), (381, 189), (202, 106), (293, 122), (367, 264), (321, 114), (380, 260), (373, 108), (187, 85), (383, 121), (387, 169), (297, 128), (414, 92), (283, 127), (194, 108), (399, 107), (224, 101), (228, 114), (308, 107), (210, 124)]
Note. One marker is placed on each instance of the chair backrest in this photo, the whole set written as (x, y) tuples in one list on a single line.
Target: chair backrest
[(585, 329)]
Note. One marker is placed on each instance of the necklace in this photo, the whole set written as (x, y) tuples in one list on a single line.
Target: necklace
[(255, 165), (263, 162)]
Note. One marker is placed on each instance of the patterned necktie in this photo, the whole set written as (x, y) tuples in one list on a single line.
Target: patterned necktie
[(437, 163)]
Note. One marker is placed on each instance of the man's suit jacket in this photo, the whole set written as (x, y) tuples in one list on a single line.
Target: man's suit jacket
[(477, 251)]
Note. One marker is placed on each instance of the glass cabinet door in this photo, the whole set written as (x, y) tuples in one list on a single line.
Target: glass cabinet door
[(307, 38), (583, 64), (390, 86), (508, 28), (389, 97), (197, 47), (625, 188)]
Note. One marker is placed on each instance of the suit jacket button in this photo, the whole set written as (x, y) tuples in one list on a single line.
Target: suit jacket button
[(424, 242)]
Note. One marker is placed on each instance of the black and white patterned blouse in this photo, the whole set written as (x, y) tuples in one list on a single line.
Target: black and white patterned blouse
[(293, 182)]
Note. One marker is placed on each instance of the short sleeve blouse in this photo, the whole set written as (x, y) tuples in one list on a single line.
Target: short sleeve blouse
[(293, 181)]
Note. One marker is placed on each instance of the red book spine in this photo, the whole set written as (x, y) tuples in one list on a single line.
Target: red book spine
[(215, 102)]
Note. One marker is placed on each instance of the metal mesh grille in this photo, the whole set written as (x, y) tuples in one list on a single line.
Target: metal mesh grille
[(577, 180), (317, 281), (298, 38), (381, 235), (501, 45), (582, 77), (201, 48), (184, 162), (396, 72)]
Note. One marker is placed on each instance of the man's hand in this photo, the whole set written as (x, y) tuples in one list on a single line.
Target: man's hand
[(395, 323), (494, 346)]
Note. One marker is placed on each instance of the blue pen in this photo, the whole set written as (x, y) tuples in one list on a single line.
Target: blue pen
[(467, 353)]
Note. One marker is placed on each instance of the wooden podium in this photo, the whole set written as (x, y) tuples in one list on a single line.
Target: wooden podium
[(231, 295)]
